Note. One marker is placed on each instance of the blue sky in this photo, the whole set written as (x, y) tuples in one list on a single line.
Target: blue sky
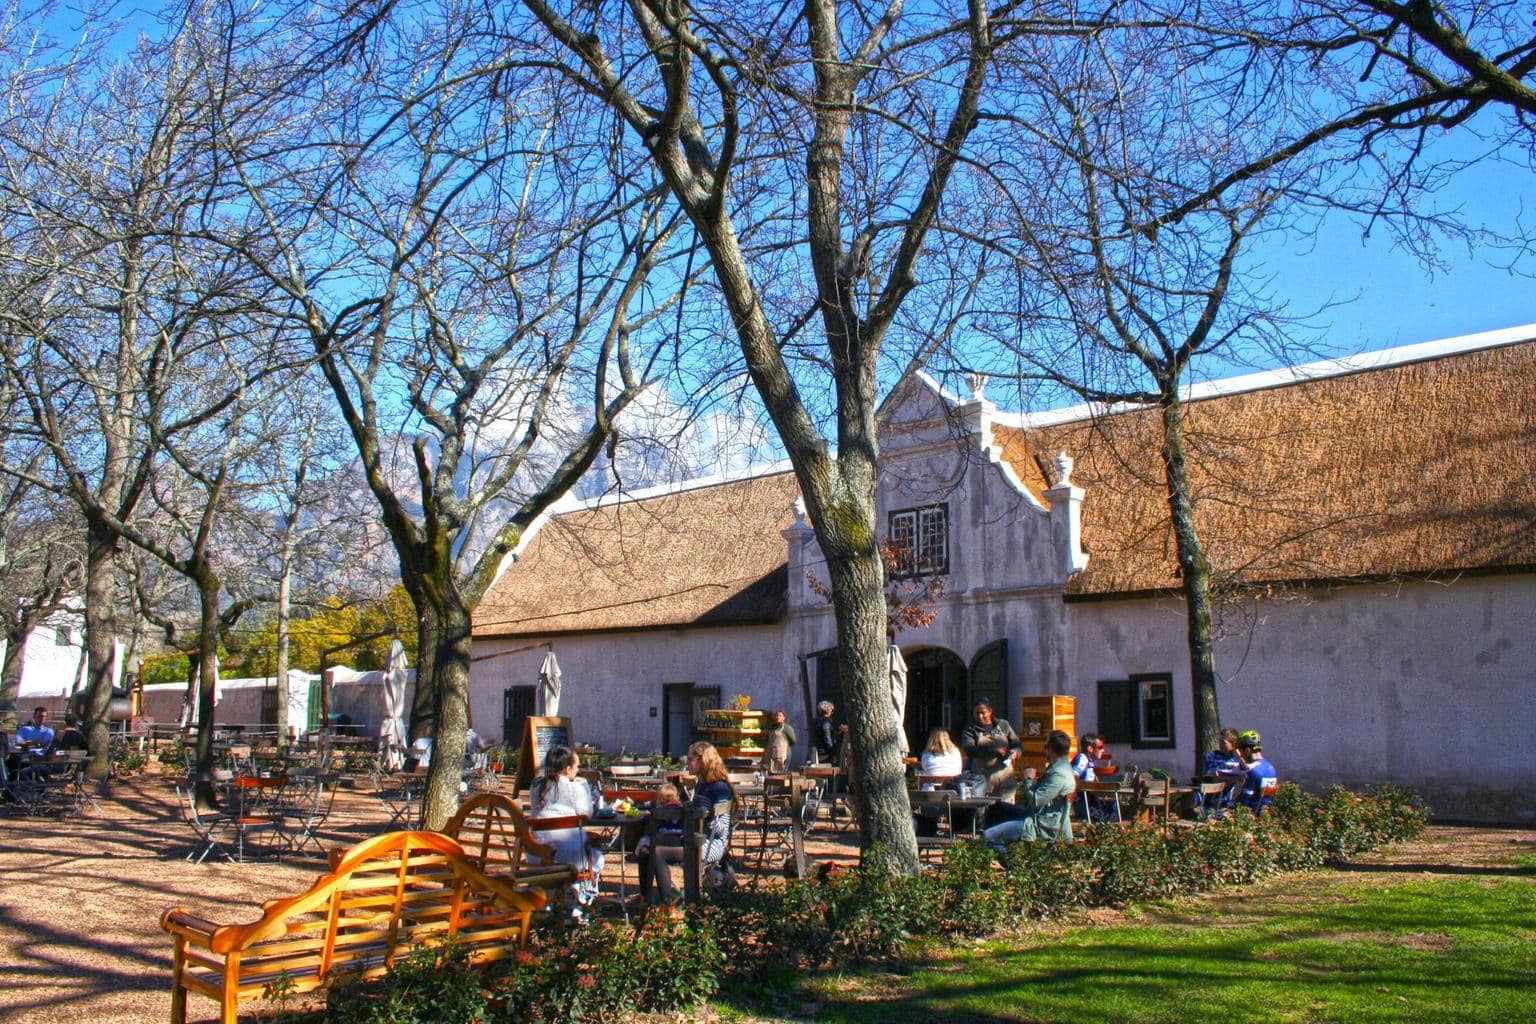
[(1387, 297)]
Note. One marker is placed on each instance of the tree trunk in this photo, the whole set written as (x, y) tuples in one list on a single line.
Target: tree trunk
[(207, 676), (100, 628), (1195, 573), (10, 671), (284, 612), (450, 688), (423, 700), (879, 777)]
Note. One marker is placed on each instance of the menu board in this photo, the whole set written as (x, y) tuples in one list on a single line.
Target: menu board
[(540, 735)]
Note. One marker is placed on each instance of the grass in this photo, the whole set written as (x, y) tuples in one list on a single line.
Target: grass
[(1322, 947)]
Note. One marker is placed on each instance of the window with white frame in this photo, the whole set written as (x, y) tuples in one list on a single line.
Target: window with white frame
[(1137, 711), (919, 538)]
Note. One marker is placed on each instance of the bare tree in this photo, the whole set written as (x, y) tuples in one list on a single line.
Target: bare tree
[(40, 555), (115, 313), (1375, 85), (481, 314), (824, 155)]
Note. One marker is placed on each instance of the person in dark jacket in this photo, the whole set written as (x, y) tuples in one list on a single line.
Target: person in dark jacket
[(827, 736)]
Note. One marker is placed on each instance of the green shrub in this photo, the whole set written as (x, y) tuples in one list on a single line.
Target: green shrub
[(606, 972), (435, 985), (126, 759)]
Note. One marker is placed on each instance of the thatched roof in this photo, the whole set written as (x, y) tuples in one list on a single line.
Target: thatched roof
[(1411, 470), (710, 555), (1422, 469)]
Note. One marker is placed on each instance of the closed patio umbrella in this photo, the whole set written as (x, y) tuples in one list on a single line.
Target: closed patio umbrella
[(899, 697), (392, 728), (547, 702)]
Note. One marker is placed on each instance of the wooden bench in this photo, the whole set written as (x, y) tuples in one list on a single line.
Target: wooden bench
[(495, 835), (385, 898)]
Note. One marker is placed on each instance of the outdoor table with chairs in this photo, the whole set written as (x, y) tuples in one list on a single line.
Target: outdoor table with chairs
[(37, 781)]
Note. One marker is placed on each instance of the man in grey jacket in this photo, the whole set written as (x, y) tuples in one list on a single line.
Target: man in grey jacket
[(1044, 807)]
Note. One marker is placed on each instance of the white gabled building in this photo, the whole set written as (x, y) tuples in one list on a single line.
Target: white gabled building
[(1372, 521)]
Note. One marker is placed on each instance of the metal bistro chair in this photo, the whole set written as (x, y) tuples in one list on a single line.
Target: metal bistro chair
[(774, 822), (1089, 790), (48, 786), (307, 805), (401, 796), (1155, 800), (209, 827)]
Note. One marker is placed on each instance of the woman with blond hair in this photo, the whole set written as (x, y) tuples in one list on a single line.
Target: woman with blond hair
[(712, 800), (941, 757)]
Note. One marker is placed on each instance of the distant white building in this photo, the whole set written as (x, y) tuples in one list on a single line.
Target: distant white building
[(1372, 521), (53, 657)]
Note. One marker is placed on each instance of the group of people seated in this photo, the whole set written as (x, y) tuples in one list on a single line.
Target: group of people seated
[(1039, 805), (38, 735), (561, 791), (1239, 761), (1031, 805), (36, 741)]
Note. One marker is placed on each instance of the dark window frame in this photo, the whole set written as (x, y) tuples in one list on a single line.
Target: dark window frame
[(918, 565), (1124, 702)]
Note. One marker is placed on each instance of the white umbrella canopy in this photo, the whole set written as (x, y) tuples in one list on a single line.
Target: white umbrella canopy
[(392, 728), (547, 702), (899, 697)]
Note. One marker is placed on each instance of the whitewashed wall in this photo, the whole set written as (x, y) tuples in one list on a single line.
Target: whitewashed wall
[(1429, 685), (612, 681)]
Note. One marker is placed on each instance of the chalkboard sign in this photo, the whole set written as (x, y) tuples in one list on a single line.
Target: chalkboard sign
[(540, 734)]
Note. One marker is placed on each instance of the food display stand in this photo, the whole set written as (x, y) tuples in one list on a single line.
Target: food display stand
[(734, 732)]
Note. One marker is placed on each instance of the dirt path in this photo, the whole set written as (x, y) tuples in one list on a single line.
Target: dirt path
[(80, 901)]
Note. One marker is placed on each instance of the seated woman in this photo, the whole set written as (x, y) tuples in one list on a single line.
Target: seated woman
[(713, 789), (1043, 807), (941, 757), (560, 792)]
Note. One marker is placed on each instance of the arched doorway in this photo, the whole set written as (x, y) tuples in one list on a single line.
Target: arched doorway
[(936, 694)]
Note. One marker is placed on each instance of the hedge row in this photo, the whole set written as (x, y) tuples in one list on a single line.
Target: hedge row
[(606, 971)]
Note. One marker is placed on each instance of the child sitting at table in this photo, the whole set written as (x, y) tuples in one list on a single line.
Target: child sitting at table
[(668, 831)]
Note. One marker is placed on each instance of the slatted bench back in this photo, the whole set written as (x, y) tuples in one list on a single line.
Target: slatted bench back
[(386, 897)]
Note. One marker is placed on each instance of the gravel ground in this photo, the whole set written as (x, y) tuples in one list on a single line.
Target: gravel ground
[(80, 900)]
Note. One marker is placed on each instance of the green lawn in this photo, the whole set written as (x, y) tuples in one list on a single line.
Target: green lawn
[(1324, 947)]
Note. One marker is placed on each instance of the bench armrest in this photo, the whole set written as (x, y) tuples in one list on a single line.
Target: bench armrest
[(195, 929)]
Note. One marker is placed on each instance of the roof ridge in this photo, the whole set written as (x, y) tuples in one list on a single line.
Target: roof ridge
[(608, 498), (1321, 369)]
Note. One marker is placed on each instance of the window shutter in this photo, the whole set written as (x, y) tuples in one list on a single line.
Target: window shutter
[(1117, 711)]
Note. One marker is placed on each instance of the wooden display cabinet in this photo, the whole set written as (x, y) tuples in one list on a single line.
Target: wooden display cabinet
[(734, 733), (1037, 717)]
